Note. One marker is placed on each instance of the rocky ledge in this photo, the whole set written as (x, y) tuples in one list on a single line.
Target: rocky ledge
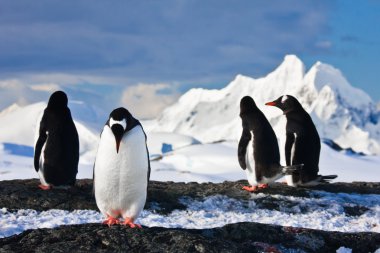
[(24, 194), (239, 237)]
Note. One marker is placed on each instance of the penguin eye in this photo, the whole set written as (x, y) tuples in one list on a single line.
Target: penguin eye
[(122, 122)]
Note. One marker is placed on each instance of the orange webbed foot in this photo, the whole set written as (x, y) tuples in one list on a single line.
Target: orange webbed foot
[(250, 188), (44, 187), (263, 186), (129, 222), (111, 221)]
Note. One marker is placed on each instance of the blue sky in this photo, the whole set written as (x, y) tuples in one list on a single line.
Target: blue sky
[(354, 34), (184, 43)]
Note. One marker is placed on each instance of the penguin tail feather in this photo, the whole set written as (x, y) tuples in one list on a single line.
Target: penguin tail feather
[(326, 179), (288, 170)]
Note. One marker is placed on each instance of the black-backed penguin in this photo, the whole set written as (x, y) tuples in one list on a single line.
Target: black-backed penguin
[(258, 150), (56, 153), (121, 169), (302, 145)]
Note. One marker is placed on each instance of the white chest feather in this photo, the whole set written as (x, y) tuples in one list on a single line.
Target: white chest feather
[(41, 160), (250, 161), (121, 178), (293, 149), (41, 164), (289, 178)]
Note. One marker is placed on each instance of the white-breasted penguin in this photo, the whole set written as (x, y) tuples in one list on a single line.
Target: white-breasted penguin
[(121, 169), (302, 145), (56, 153), (258, 150)]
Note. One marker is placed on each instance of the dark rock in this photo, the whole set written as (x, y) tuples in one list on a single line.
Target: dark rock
[(240, 237), (355, 210), (163, 197)]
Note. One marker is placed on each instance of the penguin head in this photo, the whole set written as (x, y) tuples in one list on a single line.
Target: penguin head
[(57, 101), (286, 103), (118, 122), (247, 104)]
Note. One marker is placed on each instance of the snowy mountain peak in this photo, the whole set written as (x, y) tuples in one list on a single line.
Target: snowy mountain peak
[(291, 66), (292, 61), (341, 112)]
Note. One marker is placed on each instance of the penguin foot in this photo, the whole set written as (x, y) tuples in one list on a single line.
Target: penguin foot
[(263, 186), (111, 221), (250, 188), (44, 187), (129, 222)]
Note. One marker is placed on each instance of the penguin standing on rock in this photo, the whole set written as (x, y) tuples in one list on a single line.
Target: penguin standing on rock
[(303, 144), (122, 169), (56, 152), (258, 150)]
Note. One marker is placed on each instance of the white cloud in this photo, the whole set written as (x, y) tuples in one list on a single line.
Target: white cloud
[(324, 44), (14, 91), (61, 78), (89, 101), (48, 87), (148, 100)]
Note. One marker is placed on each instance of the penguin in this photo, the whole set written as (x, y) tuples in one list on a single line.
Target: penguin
[(302, 145), (258, 151), (56, 152), (121, 169)]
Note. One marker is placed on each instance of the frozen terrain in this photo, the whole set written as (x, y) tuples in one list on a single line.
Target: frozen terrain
[(186, 141), (189, 161), (175, 157), (323, 212), (341, 112)]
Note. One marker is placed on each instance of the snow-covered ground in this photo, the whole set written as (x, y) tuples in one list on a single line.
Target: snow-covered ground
[(185, 160), (324, 211)]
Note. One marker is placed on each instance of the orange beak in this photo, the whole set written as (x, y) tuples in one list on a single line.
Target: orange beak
[(271, 103)]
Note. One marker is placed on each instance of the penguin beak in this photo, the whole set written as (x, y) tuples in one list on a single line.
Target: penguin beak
[(273, 103), (118, 132), (117, 146)]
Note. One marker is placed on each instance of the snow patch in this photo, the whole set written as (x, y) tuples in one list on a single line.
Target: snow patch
[(324, 211), (157, 141), (16, 222), (344, 250), (213, 162)]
